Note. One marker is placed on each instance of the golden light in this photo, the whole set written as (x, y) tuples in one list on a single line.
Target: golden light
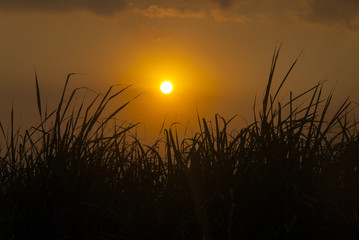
[(166, 87)]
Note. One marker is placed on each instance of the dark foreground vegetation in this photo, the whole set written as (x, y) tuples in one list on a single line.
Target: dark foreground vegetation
[(291, 174)]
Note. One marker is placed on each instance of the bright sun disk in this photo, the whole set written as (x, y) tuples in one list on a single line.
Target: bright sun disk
[(166, 87)]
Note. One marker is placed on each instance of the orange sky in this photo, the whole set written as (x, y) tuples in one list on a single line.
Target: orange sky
[(217, 53)]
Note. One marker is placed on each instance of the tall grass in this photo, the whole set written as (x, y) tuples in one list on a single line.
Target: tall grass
[(80, 174)]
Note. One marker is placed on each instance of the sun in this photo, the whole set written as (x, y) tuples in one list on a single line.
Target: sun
[(166, 87)]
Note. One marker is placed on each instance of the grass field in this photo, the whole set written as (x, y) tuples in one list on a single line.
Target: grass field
[(79, 174)]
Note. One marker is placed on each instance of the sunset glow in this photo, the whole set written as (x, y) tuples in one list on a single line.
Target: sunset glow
[(179, 119)]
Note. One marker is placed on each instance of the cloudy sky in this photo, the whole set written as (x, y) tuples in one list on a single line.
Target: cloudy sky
[(217, 53)]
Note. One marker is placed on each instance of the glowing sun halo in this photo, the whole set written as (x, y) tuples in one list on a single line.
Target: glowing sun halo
[(166, 87)]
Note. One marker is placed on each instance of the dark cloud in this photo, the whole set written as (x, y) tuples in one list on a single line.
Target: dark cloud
[(109, 7), (224, 3), (102, 7), (332, 11), (345, 12), (219, 10)]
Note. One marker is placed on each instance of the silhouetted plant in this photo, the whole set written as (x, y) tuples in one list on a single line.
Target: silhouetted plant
[(292, 173)]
